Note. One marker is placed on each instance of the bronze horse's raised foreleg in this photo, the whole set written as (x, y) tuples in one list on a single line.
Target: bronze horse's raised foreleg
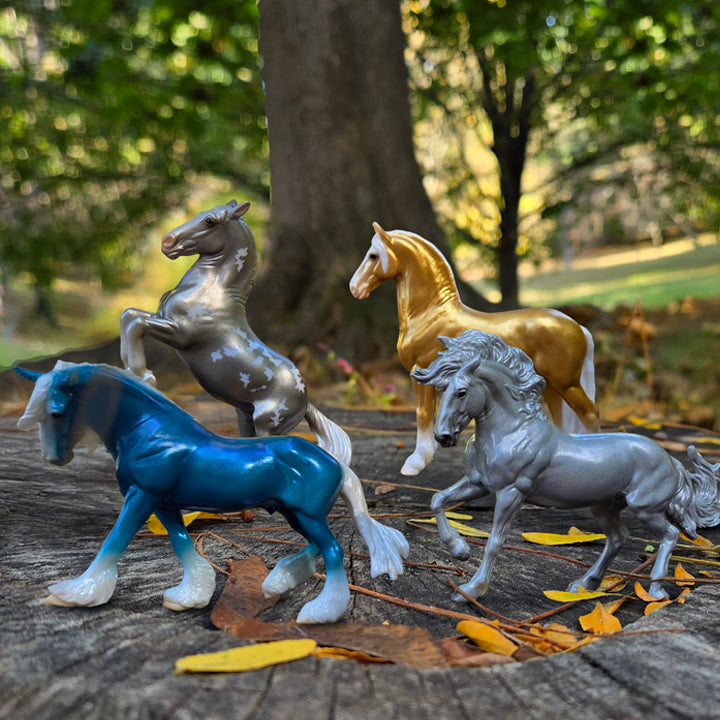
[(134, 326)]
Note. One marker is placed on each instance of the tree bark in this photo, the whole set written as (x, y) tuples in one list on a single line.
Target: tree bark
[(341, 157)]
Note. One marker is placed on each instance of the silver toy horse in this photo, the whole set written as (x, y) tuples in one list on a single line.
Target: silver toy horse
[(518, 454), (205, 320)]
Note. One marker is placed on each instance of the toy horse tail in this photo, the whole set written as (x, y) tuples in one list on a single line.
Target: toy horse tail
[(697, 501), (571, 423), (388, 547), (331, 437)]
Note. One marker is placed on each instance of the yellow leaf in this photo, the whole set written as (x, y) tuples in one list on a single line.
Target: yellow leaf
[(633, 419), (699, 541), (564, 596), (457, 516), (644, 595), (250, 657), (156, 527), (487, 637), (571, 538), (682, 577), (682, 596), (460, 527), (617, 582), (600, 621), (611, 607), (653, 606)]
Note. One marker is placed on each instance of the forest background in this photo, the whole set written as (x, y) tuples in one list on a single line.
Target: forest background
[(523, 138)]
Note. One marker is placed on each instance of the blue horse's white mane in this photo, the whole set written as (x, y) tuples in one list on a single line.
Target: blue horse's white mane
[(37, 412)]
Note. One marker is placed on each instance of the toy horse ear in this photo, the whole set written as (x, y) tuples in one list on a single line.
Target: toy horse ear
[(382, 234), (31, 375), (239, 210)]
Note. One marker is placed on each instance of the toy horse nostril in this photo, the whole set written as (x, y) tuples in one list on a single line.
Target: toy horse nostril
[(167, 243), (446, 439)]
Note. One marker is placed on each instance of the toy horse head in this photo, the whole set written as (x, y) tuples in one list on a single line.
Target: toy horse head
[(53, 406), (207, 233)]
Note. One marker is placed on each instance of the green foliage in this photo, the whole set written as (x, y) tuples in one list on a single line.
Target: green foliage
[(110, 112), (618, 98)]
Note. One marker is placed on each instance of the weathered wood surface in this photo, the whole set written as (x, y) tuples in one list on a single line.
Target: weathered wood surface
[(117, 661)]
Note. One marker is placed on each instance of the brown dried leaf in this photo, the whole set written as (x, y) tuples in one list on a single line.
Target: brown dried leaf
[(460, 653)]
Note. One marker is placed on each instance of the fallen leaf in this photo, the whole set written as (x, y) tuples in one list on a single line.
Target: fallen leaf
[(570, 538), (616, 582), (682, 596), (682, 577), (242, 599), (653, 606), (567, 596), (460, 527), (600, 621), (343, 653), (249, 657), (644, 595), (157, 528), (611, 607), (384, 489), (487, 637), (460, 653), (699, 541)]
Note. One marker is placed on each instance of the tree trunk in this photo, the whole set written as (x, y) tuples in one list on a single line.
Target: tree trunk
[(341, 157)]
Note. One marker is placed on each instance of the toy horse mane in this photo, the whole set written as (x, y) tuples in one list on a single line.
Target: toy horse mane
[(37, 412), (442, 270), (475, 350)]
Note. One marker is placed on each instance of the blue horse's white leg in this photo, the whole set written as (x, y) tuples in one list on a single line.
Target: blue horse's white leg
[(331, 603), (198, 583), (387, 546), (291, 571), (508, 502), (97, 584), (615, 537)]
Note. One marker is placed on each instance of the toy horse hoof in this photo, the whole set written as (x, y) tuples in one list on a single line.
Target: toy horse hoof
[(414, 464), (149, 378), (195, 590), (87, 590), (473, 591), (583, 584), (459, 548), (657, 592)]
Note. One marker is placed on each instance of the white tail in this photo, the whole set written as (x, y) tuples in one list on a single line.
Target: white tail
[(387, 545), (571, 423), (331, 437)]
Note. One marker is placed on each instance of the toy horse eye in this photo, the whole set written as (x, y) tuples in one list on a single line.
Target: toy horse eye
[(209, 221), (373, 256), (462, 392)]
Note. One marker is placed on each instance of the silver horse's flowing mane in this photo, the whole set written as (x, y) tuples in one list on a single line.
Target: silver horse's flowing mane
[(475, 349)]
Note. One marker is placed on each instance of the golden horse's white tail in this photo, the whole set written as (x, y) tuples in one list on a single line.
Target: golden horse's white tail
[(571, 423), (387, 545)]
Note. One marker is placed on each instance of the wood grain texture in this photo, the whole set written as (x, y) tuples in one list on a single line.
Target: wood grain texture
[(116, 661)]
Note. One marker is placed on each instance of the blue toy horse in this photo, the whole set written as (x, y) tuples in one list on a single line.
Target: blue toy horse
[(166, 461)]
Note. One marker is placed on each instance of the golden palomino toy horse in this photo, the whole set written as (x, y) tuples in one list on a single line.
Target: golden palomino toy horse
[(429, 305)]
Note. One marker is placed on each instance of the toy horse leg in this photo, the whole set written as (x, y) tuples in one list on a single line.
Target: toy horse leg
[(387, 546), (132, 352), (615, 537), (198, 583), (246, 426), (332, 601), (96, 585), (507, 504), (291, 571), (425, 444), (584, 417), (462, 490), (658, 523)]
